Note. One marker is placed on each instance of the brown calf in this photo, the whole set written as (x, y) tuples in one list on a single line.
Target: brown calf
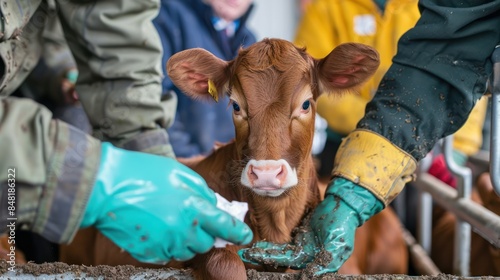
[(273, 86)]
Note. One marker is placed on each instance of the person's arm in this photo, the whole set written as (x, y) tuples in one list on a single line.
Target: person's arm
[(435, 80), (52, 165), (118, 54), (438, 74), (56, 179)]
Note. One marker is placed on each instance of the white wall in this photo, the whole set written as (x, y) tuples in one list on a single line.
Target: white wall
[(274, 19)]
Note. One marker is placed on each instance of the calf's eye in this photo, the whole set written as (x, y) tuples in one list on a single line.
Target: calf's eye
[(306, 105), (236, 107)]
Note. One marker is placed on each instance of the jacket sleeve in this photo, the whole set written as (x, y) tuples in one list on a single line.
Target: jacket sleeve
[(118, 54), (47, 170), (437, 76)]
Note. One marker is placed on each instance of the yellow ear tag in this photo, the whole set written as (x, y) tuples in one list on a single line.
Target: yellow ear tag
[(212, 90)]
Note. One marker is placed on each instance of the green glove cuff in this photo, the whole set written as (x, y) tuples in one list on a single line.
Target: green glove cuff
[(361, 200)]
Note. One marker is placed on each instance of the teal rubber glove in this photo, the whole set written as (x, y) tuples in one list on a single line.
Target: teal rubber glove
[(157, 209), (327, 239)]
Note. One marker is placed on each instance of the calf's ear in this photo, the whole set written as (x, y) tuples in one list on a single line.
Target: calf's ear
[(198, 73), (347, 67)]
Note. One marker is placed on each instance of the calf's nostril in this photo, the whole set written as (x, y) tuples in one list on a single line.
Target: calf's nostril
[(281, 176), (251, 174)]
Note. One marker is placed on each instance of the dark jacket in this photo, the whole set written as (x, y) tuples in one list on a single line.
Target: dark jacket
[(184, 24), (435, 81)]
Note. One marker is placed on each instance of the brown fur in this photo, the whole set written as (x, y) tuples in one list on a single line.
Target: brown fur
[(270, 81)]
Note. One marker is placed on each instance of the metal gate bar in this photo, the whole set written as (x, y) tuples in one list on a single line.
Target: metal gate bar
[(482, 219), (486, 222), (462, 245)]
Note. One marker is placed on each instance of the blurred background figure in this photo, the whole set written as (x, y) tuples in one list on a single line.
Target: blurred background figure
[(218, 26)]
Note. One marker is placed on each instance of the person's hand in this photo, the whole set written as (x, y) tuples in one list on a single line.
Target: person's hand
[(157, 209), (327, 241)]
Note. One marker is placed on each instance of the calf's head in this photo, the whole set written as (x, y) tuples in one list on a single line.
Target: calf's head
[(273, 86)]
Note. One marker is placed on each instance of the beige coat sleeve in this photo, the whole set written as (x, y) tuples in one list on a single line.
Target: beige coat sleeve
[(118, 53), (49, 168)]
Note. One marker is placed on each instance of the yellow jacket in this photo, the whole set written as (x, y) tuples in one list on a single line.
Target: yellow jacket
[(328, 23)]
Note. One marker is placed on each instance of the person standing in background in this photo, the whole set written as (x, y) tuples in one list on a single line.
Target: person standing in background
[(218, 26)]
